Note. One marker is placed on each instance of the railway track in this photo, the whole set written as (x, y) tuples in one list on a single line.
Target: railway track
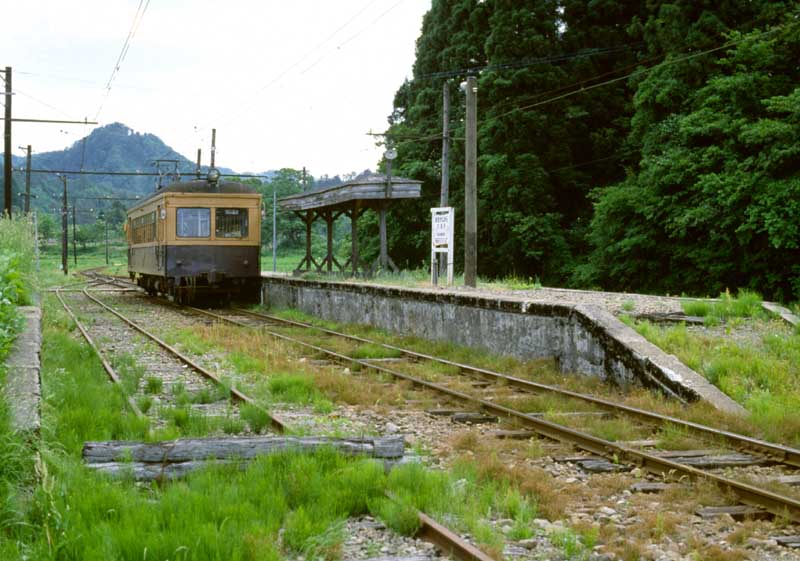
[(430, 530), (664, 464), (171, 378)]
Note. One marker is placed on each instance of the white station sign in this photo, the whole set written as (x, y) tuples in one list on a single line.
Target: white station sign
[(442, 222)]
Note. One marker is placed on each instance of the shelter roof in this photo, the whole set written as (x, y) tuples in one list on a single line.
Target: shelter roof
[(369, 190)]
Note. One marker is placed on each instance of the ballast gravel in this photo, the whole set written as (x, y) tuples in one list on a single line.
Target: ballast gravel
[(617, 513)]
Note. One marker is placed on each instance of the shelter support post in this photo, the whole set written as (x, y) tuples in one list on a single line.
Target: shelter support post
[(308, 217), (354, 261), (384, 262)]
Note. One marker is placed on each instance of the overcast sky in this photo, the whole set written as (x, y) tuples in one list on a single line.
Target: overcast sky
[(286, 83)]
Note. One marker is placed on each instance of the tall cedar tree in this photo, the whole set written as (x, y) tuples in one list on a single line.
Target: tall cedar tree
[(713, 202), (533, 203), (682, 177)]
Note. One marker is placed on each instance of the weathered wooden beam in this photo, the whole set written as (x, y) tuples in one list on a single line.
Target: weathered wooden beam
[(194, 449), (737, 512)]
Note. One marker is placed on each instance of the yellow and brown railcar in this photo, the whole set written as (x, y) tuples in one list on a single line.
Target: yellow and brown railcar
[(197, 237)]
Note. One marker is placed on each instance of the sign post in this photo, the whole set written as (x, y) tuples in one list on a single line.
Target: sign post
[(442, 219)]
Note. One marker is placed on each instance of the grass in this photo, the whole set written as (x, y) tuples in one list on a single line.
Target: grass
[(256, 417), (746, 304), (222, 512), (153, 385), (258, 359), (763, 376), (463, 495), (766, 387)]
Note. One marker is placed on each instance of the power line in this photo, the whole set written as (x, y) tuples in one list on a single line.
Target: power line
[(526, 62), (37, 100), (584, 89), (137, 19), (360, 32), (292, 66), (635, 73), (139, 173)]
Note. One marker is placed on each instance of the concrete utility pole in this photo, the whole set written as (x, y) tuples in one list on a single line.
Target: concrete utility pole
[(445, 192), (275, 228), (28, 180), (7, 146), (471, 186), (64, 258)]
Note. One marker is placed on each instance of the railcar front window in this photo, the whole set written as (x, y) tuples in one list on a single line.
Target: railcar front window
[(231, 223), (194, 222)]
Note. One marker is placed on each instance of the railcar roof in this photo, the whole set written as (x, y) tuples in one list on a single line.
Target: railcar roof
[(201, 186)]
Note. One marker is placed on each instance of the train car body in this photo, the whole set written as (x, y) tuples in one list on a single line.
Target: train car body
[(197, 237)]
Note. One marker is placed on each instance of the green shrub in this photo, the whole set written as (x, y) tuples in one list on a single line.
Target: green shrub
[(153, 385), (256, 417), (745, 304)]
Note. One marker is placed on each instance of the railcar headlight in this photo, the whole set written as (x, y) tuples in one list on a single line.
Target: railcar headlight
[(213, 175)]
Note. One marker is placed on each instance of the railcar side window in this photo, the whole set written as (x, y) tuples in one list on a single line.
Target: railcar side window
[(231, 223), (144, 228), (193, 222)]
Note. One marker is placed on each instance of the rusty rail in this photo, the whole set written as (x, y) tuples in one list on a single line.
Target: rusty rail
[(776, 452), (106, 366), (748, 494), (276, 423)]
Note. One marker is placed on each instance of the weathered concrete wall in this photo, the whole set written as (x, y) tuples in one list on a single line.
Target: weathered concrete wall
[(584, 339)]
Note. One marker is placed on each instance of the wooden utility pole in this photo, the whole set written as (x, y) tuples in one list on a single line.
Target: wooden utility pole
[(105, 219), (28, 180), (64, 258), (445, 192), (275, 228), (74, 237), (197, 168), (304, 179), (471, 186), (384, 250), (7, 146)]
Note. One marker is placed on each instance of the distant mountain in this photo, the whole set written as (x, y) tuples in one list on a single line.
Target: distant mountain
[(114, 147)]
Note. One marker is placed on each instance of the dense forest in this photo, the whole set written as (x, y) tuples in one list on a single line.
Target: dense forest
[(649, 146)]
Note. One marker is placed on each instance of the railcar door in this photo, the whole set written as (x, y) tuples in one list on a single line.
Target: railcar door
[(161, 248)]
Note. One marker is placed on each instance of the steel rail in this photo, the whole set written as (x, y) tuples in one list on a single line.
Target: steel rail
[(776, 452), (430, 530), (748, 494), (106, 366), (274, 421)]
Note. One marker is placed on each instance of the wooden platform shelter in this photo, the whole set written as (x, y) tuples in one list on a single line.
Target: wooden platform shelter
[(352, 199)]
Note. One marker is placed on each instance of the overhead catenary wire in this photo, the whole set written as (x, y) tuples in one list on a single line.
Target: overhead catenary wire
[(526, 62), (357, 34), (289, 68), (137, 20), (667, 62), (39, 101), (584, 89)]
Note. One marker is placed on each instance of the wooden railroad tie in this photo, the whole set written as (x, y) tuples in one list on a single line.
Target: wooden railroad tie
[(176, 458)]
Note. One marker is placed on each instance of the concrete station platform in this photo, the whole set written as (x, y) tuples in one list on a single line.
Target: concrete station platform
[(584, 338)]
